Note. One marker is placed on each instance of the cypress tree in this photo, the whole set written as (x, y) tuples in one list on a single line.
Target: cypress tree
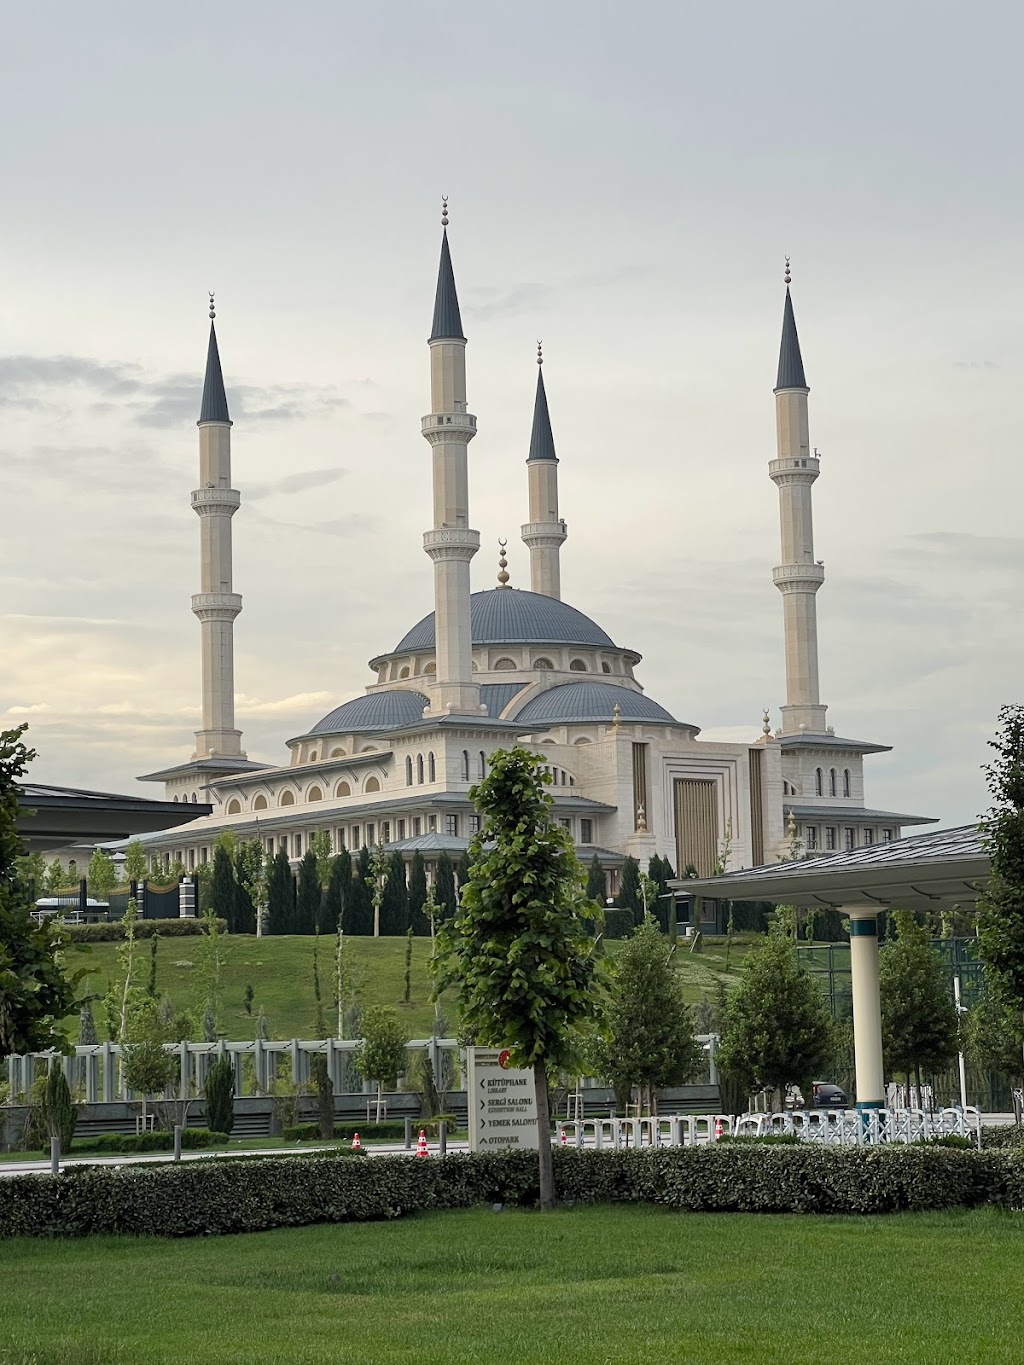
[(310, 894), (222, 888), (596, 882), (359, 918), (444, 888), (462, 870), (394, 910), (332, 912), (281, 896), (245, 911), (629, 897), (417, 894), (220, 1096)]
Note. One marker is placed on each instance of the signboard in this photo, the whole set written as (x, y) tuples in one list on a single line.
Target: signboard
[(502, 1102)]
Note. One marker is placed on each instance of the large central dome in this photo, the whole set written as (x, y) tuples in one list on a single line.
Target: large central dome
[(509, 616)]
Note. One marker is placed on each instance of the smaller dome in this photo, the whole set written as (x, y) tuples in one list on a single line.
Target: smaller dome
[(377, 711), (592, 701), (502, 616)]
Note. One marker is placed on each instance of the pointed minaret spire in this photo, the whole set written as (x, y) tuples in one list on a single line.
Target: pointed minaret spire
[(449, 428), (799, 576), (217, 605), (545, 532)]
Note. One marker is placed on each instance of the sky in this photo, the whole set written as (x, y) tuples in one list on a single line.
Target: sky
[(624, 183)]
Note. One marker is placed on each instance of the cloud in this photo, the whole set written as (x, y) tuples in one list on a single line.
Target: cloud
[(294, 483), (504, 302), (281, 706)]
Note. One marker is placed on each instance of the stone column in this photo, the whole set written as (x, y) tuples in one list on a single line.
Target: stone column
[(867, 1005)]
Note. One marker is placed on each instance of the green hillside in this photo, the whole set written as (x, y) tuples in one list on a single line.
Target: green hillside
[(280, 971)]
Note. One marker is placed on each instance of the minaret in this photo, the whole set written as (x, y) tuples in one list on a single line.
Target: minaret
[(544, 533), (449, 428), (216, 502), (798, 577)]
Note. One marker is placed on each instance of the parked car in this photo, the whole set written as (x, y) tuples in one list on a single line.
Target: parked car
[(824, 1095)]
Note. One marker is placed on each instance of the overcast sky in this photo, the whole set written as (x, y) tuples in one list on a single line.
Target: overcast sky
[(624, 182)]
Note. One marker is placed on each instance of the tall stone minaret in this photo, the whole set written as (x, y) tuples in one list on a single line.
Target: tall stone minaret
[(798, 577), (449, 428), (544, 533), (217, 605)]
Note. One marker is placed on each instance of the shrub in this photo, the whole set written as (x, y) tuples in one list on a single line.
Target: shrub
[(776, 1139), (618, 922), (59, 1114), (1007, 1137), (144, 928), (192, 1140), (389, 1130), (220, 1096), (320, 1075), (952, 1140), (198, 1198)]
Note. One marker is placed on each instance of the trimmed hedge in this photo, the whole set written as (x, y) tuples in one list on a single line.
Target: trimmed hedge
[(198, 1198), (1007, 1137), (144, 928), (192, 1140), (389, 1130), (619, 922)]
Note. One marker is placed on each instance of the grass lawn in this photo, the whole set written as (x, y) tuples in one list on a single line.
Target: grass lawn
[(580, 1287), (280, 971)]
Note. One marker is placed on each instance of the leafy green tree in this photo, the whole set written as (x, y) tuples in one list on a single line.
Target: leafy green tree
[(223, 888), (220, 1096), (135, 861), (35, 993), (647, 1031), (319, 1026), (360, 916), (310, 894), (59, 1114), (32, 873), (629, 897), (281, 896), (250, 886), (994, 1037), (596, 884), (444, 888), (463, 870), (776, 1031), (418, 895), (102, 874), (320, 1076), (394, 910), (154, 945), (56, 877), (380, 1056), (320, 847), (1001, 908), (147, 1067), (336, 894), (519, 952), (919, 1019), (380, 871), (211, 951)]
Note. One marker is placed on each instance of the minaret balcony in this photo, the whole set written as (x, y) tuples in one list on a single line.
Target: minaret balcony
[(544, 534), (448, 426), (794, 469), (214, 502), (216, 606), (451, 542), (798, 577)]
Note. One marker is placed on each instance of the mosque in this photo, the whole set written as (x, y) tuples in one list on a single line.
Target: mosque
[(491, 668)]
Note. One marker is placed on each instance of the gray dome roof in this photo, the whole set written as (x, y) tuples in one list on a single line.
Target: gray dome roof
[(377, 711), (507, 616), (591, 701)]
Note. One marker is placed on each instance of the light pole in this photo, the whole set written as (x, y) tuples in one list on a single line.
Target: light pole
[(961, 1010)]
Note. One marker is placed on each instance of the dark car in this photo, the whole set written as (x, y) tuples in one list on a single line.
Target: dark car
[(827, 1096)]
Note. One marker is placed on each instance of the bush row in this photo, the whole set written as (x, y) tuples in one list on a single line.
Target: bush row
[(192, 1140), (1007, 1137), (198, 1198), (389, 1130), (144, 928)]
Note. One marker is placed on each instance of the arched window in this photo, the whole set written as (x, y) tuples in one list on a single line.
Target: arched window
[(195, 799), (343, 789), (175, 799), (430, 668), (565, 778), (408, 770), (481, 771), (234, 807), (260, 803), (846, 782), (832, 782), (287, 799), (312, 757), (465, 765), (419, 769), (371, 785), (577, 666), (314, 794), (606, 668), (505, 665), (819, 783), (582, 740), (404, 673), (543, 663), (337, 753), (431, 768)]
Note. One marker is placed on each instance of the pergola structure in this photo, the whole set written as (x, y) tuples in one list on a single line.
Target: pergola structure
[(60, 817), (926, 871)]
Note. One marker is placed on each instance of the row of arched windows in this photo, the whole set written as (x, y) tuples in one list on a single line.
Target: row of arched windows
[(833, 782), (481, 766), (193, 799), (431, 769)]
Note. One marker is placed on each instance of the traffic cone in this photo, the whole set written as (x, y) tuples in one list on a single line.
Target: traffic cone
[(421, 1144), (719, 1129), (561, 1136), (357, 1146)]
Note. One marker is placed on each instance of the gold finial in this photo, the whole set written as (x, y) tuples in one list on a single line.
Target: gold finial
[(787, 274), (444, 210), (540, 352), (213, 311), (766, 727), (502, 564), (616, 716)]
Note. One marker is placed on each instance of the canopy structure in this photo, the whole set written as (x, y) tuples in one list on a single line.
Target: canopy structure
[(55, 817), (948, 867)]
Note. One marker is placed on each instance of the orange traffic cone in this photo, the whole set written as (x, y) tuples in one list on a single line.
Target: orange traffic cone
[(357, 1146), (421, 1144), (719, 1128), (561, 1136)]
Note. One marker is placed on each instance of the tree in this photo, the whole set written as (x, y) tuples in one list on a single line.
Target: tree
[(629, 890), (776, 1031), (408, 966), (211, 951), (379, 874), (444, 887), (1001, 908), (647, 1031), (250, 884), (310, 894), (320, 1075), (380, 1056), (35, 993), (135, 861), (281, 896), (995, 1036), (220, 1096), (417, 895), (56, 877), (32, 873), (102, 874), (360, 911), (222, 887), (320, 847), (596, 884), (59, 1114), (919, 1018), (462, 869), (518, 951), (87, 1025), (395, 905), (147, 1067), (336, 894)]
